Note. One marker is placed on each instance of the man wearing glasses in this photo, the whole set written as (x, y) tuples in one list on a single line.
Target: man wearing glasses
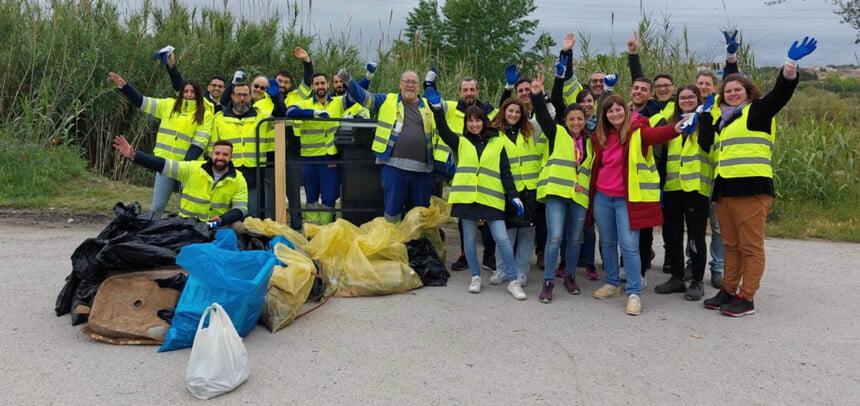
[(405, 135)]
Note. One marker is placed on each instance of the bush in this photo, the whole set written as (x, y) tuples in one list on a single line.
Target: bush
[(31, 173)]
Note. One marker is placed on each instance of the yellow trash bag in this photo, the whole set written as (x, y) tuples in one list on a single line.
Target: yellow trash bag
[(288, 288), (366, 261), (270, 228), (420, 219)]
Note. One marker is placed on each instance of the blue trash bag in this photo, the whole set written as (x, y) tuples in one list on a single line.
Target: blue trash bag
[(219, 273)]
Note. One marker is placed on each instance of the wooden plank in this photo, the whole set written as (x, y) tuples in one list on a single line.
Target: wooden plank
[(280, 172)]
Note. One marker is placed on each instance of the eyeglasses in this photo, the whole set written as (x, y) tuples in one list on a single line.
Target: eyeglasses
[(409, 82), (256, 86), (663, 86), (596, 80), (687, 98)]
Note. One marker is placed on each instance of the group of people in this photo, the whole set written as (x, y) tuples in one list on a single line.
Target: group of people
[(532, 176)]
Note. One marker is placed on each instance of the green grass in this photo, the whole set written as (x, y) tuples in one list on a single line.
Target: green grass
[(799, 220)]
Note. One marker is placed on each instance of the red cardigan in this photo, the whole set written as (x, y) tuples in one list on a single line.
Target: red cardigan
[(641, 214)]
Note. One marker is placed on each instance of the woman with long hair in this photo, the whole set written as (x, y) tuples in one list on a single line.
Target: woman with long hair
[(525, 152), (625, 192), (481, 187), (181, 118)]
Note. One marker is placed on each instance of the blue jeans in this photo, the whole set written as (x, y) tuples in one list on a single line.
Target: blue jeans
[(568, 217), (523, 239), (586, 250), (503, 244), (161, 192), (404, 190), (610, 214)]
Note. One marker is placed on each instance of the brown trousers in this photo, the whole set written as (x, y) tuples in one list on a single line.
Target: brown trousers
[(742, 227)]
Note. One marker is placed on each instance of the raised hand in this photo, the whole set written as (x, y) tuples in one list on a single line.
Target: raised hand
[(511, 75), (561, 66), (238, 77), (633, 43), (732, 43), (433, 97), (163, 54), (537, 84), (117, 80), (371, 67), (123, 147), (569, 42), (609, 81), (706, 106), (300, 53), (799, 51), (274, 88)]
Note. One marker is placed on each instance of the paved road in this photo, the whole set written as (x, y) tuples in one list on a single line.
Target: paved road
[(445, 346)]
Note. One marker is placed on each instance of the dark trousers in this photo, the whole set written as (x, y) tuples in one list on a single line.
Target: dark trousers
[(540, 229), (646, 239), (486, 239), (693, 209)]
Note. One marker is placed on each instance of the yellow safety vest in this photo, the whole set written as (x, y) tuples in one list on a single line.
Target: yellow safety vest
[(177, 131), (562, 176), (317, 137), (525, 157), (479, 180), (571, 89), (241, 133), (688, 167), (741, 152), (643, 180), (201, 197), (389, 121)]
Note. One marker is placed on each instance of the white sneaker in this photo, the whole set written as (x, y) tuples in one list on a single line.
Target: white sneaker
[(516, 290), (475, 286), (522, 279), (499, 277)]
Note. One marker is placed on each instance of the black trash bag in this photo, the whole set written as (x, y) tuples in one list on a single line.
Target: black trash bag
[(425, 262), (131, 241), (253, 242)]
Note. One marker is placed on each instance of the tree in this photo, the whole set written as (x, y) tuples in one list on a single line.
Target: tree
[(485, 33)]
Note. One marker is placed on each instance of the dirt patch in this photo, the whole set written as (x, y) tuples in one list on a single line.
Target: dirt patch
[(52, 218)]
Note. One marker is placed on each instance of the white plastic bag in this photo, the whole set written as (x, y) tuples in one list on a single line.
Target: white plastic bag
[(219, 362)]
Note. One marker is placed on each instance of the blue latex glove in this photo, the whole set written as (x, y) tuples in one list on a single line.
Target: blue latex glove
[(371, 67), (273, 90), (511, 75), (797, 52), (163, 53), (450, 166), (518, 204), (561, 66), (609, 81), (213, 224), (689, 123), (433, 97), (320, 114), (706, 106), (731, 41)]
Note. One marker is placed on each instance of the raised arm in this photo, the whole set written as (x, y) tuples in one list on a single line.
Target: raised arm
[(633, 57), (369, 100), (544, 119), (732, 46), (768, 106), (127, 90), (511, 77), (435, 101)]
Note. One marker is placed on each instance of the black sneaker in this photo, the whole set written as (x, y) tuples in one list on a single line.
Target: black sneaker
[(489, 262), (719, 300), (671, 286), (460, 264), (738, 307), (695, 291)]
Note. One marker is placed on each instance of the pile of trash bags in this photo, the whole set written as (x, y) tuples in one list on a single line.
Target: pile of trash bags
[(257, 271), (132, 241)]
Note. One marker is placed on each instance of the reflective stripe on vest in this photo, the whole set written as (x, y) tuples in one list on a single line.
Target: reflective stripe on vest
[(478, 180), (741, 152), (525, 158), (688, 167), (201, 197), (176, 129), (241, 133), (391, 113), (562, 176), (643, 180)]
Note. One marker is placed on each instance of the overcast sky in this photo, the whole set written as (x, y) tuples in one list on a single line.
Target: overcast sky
[(769, 29)]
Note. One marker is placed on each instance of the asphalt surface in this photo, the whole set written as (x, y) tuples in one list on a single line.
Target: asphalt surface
[(442, 345)]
